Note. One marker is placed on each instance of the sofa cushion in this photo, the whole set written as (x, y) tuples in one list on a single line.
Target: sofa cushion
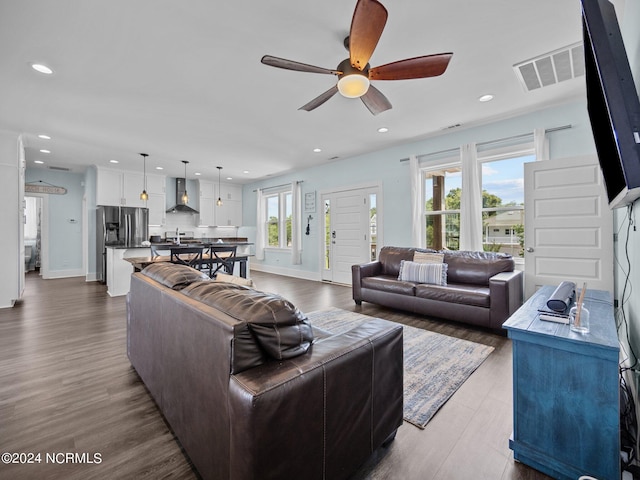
[(434, 273), (390, 284), (173, 275), (462, 294), (476, 268), (278, 326)]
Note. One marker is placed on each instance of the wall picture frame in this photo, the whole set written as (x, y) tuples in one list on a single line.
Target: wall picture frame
[(310, 202)]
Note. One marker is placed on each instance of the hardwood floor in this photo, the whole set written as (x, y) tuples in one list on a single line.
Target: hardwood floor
[(66, 387)]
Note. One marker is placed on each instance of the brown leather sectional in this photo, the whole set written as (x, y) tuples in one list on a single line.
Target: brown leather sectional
[(482, 287), (251, 389)]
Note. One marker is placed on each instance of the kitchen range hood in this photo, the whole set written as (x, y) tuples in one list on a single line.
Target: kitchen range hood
[(180, 207)]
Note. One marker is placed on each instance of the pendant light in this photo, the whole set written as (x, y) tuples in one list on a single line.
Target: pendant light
[(219, 202), (185, 197), (144, 195)]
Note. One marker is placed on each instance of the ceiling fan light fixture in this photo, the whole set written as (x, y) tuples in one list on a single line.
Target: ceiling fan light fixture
[(353, 86)]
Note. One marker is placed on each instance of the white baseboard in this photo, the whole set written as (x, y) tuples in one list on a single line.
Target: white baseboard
[(91, 277), (63, 274), (287, 272)]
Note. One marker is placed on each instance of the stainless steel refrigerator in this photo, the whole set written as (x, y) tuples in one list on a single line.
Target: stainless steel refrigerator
[(118, 226)]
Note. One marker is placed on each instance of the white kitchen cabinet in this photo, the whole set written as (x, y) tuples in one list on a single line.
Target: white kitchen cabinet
[(230, 192), (157, 208), (132, 186), (227, 214), (230, 212), (206, 192), (116, 187), (157, 203), (156, 183)]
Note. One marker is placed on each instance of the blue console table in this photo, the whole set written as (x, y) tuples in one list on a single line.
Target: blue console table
[(565, 391)]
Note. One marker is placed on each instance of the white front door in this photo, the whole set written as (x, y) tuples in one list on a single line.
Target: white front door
[(568, 225), (347, 232)]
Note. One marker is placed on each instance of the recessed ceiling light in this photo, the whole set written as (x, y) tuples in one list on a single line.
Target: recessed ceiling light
[(45, 151), (383, 130), (38, 67), (229, 178), (39, 162), (113, 161), (486, 98), (197, 174), (159, 168), (317, 150), (44, 137), (245, 171)]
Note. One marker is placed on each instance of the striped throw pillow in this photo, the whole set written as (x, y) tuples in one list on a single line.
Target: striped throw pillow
[(434, 273)]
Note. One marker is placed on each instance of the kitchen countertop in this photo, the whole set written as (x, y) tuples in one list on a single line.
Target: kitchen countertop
[(198, 241)]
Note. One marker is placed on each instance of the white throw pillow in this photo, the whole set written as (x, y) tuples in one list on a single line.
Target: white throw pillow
[(223, 277), (433, 273)]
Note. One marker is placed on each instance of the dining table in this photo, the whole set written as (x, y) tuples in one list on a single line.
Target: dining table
[(139, 263)]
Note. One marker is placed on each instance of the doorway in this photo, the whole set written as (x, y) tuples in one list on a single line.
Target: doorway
[(35, 234), (351, 233)]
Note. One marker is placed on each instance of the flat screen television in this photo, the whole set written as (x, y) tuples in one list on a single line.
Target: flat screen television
[(612, 102)]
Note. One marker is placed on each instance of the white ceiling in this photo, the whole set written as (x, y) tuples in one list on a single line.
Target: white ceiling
[(182, 80)]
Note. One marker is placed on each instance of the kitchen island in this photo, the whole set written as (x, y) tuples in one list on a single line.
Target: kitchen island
[(119, 268)]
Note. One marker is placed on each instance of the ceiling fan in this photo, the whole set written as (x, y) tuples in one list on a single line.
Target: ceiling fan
[(354, 73)]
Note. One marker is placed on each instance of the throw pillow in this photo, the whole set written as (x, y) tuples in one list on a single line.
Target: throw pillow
[(223, 277), (433, 273), (428, 257)]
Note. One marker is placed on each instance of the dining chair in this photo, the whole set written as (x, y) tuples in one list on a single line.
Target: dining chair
[(220, 257), (191, 256), (160, 250)]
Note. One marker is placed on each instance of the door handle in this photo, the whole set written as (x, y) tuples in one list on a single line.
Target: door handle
[(530, 249), (333, 234)]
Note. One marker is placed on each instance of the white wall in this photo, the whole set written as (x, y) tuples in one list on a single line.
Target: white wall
[(629, 244), (384, 166), (9, 218), (65, 221)]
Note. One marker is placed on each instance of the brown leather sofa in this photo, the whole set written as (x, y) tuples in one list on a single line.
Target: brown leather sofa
[(252, 390), (482, 288)]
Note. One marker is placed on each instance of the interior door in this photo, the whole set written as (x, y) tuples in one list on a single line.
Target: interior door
[(347, 242), (568, 225)]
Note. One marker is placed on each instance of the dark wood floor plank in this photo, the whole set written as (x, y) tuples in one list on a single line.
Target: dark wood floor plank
[(66, 386)]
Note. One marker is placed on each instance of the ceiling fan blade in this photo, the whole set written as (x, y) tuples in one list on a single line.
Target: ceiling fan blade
[(297, 66), (320, 99), (375, 101), (367, 24), (418, 67)]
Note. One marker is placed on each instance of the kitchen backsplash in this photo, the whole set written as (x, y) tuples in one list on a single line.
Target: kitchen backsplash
[(187, 222)]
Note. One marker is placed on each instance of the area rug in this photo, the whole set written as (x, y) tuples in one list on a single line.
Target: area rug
[(435, 365)]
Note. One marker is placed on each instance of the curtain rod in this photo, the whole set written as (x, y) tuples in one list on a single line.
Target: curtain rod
[(482, 144), (277, 186)]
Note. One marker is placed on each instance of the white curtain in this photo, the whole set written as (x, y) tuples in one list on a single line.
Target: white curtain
[(471, 200), (296, 224), (416, 202), (540, 144), (261, 221)]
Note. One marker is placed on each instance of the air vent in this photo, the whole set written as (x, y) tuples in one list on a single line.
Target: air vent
[(551, 68), (61, 169)]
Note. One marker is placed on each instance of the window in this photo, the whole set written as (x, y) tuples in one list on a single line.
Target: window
[(502, 186), (503, 204), (279, 210), (442, 187)]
